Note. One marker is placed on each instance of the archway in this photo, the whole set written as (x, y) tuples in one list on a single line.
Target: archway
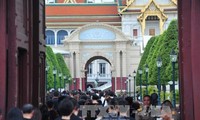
[(101, 41), (98, 72)]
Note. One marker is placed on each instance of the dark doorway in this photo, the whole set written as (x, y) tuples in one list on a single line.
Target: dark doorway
[(22, 77)]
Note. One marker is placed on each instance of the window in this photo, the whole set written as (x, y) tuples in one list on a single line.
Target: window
[(152, 18), (72, 31), (61, 36), (152, 32), (50, 37), (135, 33), (90, 68), (102, 68)]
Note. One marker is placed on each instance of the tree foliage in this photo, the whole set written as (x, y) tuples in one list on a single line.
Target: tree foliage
[(55, 62), (64, 69), (160, 46)]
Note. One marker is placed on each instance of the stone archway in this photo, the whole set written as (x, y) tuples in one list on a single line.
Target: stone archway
[(99, 40), (107, 84)]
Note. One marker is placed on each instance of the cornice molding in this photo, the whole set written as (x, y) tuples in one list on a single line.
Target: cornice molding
[(95, 25)]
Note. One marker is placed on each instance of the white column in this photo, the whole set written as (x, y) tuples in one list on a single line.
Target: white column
[(78, 70), (55, 32)]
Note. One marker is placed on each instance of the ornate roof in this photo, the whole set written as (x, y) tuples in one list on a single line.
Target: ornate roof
[(152, 8)]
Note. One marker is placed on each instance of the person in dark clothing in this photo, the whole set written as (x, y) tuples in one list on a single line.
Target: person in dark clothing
[(65, 109), (154, 98), (44, 112), (37, 115), (74, 115), (14, 114), (28, 111), (52, 113), (55, 100)]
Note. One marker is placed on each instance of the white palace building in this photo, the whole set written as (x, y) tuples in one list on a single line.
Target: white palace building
[(103, 40)]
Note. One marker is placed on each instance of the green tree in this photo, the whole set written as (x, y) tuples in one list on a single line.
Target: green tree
[(52, 61), (160, 46), (64, 69), (144, 57)]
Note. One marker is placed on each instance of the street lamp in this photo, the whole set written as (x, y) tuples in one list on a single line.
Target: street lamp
[(60, 76), (134, 75), (46, 69), (64, 77), (140, 72), (146, 70), (54, 74), (129, 78), (173, 57), (159, 64)]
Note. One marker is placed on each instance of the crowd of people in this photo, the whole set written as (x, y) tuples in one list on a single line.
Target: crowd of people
[(98, 105)]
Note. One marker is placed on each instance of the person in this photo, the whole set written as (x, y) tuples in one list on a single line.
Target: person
[(75, 112), (154, 98), (65, 109), (145, 114), (14, 114), (28, 111), (55, 99), (37, 115), (124, 110), (112, 110), (166, 110), (52, 113)]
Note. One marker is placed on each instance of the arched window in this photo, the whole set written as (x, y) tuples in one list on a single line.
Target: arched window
[(72, 31), (61, 36), (50, 37)]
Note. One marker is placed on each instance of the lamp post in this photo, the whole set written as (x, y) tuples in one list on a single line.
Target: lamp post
[(134, 75), (159, 64), (54, 74), (146, 70), (140, 72), (129, 78), (46, 69), (173, 57), (60, 76), (64, 77)]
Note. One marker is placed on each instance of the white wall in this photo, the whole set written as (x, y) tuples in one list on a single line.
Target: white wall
[(163, 1), (141, 2), (152, 25)]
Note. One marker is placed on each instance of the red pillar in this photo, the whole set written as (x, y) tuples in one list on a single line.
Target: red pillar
[(195, 31), (83, 84), (3, 56), (189, 31)]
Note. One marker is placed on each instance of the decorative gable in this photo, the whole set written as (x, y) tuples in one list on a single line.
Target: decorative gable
[(70, 1), (174, 1), (152, 9), (128, 3)]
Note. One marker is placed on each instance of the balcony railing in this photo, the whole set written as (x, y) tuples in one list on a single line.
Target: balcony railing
[(99, 76)]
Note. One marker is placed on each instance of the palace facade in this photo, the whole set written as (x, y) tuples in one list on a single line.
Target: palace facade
[(109, 34)]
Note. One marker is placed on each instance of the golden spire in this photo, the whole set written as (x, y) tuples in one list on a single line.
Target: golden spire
[(70, 1), (174, 1), (128, 3)]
